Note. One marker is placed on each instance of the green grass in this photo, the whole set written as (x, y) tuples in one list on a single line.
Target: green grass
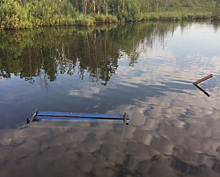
[(111, 19), (85, 20), (100, 18), (106, 18), (15, 16), (176, 16)]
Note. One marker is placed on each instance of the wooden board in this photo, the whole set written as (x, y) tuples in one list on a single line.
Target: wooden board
[(203, 79), (67, 116)]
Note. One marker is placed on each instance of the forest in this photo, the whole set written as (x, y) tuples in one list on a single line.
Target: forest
[(23, 14)]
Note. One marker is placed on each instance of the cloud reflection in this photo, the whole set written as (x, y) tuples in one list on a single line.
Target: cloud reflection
[(171, 145), (174, 130), (85, 92)]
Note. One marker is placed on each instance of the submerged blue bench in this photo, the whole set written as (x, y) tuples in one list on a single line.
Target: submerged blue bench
[(67, 116)]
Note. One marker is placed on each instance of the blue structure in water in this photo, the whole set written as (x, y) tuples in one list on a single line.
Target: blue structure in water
[(67, 116)]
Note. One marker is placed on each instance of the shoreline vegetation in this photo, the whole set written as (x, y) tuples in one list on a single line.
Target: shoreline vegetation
[(24, 14)]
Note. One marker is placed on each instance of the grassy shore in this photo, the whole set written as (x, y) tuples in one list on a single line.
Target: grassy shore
[(90, 20), (50, 13), (177, 16)]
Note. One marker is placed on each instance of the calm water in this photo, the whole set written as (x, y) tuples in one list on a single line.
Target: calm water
[(144, 69)]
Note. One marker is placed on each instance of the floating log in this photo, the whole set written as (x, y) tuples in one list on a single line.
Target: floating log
[(203, 79)]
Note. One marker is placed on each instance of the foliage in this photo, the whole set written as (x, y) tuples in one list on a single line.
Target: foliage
[(106, 18), (176, 16), (36, 13), (20, 14), (100, 18), (127, 10), (50, 12), (85, 20), (13, 16), (216, 11)]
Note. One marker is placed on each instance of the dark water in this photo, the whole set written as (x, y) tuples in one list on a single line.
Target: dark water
[(144, 69)]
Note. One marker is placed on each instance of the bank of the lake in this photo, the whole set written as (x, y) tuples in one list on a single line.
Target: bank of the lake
[(29, 14)]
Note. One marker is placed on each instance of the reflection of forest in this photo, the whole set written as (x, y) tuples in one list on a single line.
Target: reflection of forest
[(45, 52)]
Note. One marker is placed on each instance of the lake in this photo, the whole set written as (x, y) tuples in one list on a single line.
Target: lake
[(143, 69)]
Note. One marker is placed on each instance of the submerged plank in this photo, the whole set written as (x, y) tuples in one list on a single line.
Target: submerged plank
[(81, 115), (43, 118), (68, 116)]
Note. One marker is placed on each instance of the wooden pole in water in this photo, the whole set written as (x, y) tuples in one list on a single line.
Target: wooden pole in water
[(203, 79), (33, 116)]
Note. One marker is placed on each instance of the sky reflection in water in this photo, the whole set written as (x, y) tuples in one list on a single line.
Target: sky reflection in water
[(174, 130)]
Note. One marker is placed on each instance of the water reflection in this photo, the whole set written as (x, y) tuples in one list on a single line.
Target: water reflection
[(202, 90), (47, 53), (141, 69), (162, 147)]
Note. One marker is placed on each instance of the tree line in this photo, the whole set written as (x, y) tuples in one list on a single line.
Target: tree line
[(20, 14)]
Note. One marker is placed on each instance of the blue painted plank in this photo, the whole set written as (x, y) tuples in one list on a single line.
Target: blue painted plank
[(42, 118), (67, 116), (81, 115)]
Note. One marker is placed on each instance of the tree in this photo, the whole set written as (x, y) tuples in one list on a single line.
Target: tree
[(127, 10)]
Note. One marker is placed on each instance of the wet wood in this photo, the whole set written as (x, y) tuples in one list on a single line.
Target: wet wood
[(34, 115), (68, 116), (203, 79)]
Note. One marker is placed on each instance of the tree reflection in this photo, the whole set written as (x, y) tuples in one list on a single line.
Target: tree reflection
[(54, 51)]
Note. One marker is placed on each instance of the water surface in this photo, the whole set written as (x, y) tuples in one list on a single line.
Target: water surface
[(144, 69)]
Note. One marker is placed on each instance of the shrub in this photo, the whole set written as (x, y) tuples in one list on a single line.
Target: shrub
[(111, 18), (13, 16), (85, 20), (100, 18)]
